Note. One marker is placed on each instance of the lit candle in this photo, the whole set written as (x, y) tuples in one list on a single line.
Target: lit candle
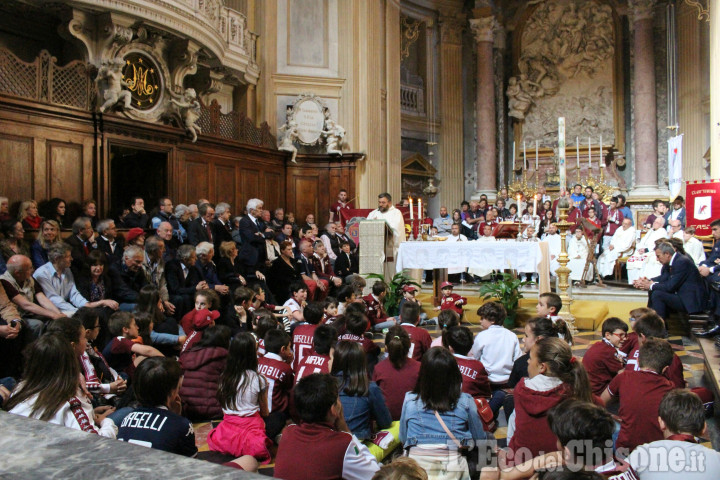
[(420, 212), (411, 210), (602, 158), (535, 205), (589, 155), (536, 155), (524, 156), (577, 151), (561, 153)]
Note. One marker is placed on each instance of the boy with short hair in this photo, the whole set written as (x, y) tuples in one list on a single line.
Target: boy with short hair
[(474, 376), (322, 446), (302, 334), (158, 423), (120, 351), (420, 339), (356, 325), (651, 325), (320, 358), (330, 310), (450, 300), (584, 432), (264, 322), (640, 394), (549, 304), (603, 360), (275, 366), (681, 419), (375, 310)]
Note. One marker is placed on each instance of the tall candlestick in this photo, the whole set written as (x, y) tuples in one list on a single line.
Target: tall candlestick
[(577, 152), (589, 155), (420, 212), (561, 153), (534, 205), (524, 156), (513, 156), (536, 155), (602, 157), (411, 208)]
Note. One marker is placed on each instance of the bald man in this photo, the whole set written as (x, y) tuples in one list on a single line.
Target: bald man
[(27, 295)]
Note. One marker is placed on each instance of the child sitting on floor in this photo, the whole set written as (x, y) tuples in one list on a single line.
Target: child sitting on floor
[(451, 300), (322, 445), (263, 322), (554, 375), (204, 299), (302, 334), (603, 360), (158, 423), (121, 352), (243, 398), (202, 319), (320, 358), (296, 303), (398, 373), (420, 338), (275, 367), (639, 393), (446, 319), (330, 311), (475, 378)]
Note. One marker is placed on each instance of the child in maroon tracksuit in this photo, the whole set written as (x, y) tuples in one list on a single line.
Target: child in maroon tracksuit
[(450, 300)]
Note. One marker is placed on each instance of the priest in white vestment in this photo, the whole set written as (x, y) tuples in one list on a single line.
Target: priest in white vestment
[(578, 253), (621, 241), (693, 246), (394, 217), (643, 262), (553, 240)]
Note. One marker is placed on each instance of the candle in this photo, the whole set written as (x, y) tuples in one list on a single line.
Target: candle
[(513, 157), (577, 151), (536, 155), (561, 152), (602, 158), (524, 156), (411, 210), (420, 212), (589, 156), (534, 205)]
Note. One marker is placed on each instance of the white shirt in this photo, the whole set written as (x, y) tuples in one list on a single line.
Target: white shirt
[(497, 348), (694, 248), (673, 459), (247, 402)]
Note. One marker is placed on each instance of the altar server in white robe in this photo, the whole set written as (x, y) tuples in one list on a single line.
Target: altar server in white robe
[(578, 252), (486, 237), (693, 246), (394, 217), (621, 241), (643, 262), (553, 240), (456, 236)]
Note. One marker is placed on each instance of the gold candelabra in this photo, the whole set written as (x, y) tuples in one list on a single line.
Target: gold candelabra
[(563, 272)]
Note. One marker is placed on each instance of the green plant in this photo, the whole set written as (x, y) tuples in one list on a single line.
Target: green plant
[(394, 290), (507, 292)]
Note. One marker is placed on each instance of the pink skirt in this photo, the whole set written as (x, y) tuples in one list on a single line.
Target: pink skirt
[(238, 436)]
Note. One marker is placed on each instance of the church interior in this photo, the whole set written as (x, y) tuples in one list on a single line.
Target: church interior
[(580, 114)]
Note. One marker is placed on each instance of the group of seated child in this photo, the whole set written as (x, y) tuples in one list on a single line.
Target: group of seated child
[(316, 393)]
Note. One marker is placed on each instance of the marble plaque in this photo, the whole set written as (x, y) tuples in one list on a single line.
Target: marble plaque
[(310, 120)]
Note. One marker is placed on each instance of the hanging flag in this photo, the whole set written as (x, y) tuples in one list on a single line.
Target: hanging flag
[(675, 166)]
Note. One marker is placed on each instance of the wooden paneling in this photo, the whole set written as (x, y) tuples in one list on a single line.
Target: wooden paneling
[(274, 190), (225, 186), (196, 181), (65, 169), (304, 194), (250, 181), (16, 181)]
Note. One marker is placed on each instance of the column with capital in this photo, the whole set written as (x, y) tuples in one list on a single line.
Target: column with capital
[(483, 30), (644, 100), (451, 104)]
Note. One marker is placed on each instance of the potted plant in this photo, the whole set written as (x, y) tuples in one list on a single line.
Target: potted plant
[(394, 290), (506, 290)]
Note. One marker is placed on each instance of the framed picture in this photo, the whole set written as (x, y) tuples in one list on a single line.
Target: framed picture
[(641, 216)]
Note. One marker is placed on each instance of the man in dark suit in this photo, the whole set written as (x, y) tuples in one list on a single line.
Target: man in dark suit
[(128, 278), (286, 235), (183, 278), (109, 242), (253, 232), (679, 287), (339, 237), (81, 243), (200, 229), (221, 225), (137, 218), (710, 270)]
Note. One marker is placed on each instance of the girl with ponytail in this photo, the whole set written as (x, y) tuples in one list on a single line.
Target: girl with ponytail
[(554, 375), (398, 373)]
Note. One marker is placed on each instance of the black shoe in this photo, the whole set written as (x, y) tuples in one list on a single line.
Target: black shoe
[(711, 332)]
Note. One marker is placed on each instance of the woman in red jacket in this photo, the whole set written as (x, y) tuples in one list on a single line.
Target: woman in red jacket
[(202, 366)]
